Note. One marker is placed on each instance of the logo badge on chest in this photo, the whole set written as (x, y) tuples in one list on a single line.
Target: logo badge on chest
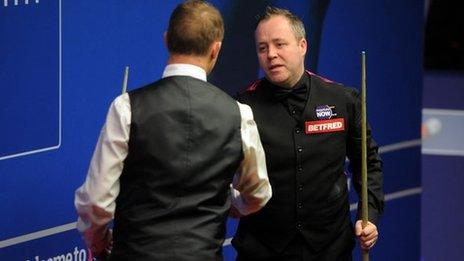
[(325, 126), (325, 122), (325, 112)]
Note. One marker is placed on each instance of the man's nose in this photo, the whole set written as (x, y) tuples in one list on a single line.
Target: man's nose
[(272, 52)]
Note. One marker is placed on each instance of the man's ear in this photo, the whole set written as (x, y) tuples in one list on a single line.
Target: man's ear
[(303, 45), (215, 49)]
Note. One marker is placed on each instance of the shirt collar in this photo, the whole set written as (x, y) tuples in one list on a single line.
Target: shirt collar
[(183, 69)]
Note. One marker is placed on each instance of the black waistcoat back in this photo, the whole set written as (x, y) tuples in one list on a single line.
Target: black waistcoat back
[(184, 148), (306, 172)]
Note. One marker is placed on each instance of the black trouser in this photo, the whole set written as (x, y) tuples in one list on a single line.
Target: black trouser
[(299, 250)]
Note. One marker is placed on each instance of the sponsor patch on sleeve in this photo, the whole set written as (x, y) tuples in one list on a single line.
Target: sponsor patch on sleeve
[(324, 126)]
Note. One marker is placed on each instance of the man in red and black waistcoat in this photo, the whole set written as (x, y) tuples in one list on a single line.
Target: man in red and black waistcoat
[(308, 126), (173, 156)]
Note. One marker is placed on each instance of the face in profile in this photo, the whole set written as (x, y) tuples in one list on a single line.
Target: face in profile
[(280, 54)]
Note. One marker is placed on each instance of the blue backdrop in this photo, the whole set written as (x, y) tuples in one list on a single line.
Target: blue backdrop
[(62, 62)]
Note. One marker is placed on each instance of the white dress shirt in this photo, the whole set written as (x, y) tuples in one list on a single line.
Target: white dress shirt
[(95, 200)]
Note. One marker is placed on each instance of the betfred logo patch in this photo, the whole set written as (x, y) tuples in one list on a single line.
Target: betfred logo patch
[(324, 126)]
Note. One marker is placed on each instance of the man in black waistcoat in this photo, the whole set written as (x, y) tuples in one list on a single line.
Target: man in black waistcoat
[(172, 156), (308, 126)]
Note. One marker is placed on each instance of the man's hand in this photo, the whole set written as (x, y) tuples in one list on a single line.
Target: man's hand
[(367, 236), (103, 251)]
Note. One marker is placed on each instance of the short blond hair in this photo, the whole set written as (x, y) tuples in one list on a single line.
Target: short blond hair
[(193, 27)]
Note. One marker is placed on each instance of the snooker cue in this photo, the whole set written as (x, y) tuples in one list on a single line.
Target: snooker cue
[(124, 82), (364, 200)]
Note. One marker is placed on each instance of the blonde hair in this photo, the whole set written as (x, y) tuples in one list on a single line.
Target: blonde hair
[(194, 25)]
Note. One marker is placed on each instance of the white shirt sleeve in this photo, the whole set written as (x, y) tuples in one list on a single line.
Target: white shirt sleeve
[(95, 199), (251, 189)]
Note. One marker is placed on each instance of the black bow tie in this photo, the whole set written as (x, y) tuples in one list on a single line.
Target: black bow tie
[(298, 93)]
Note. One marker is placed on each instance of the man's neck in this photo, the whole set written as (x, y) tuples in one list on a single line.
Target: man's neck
[(189, 59), (290, 85)]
